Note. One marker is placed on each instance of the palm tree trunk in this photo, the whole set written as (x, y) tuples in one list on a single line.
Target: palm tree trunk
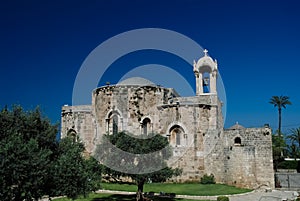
[(279, 121)]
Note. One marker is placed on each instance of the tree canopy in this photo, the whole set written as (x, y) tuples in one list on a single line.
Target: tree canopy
[(288, 147), (33, 163), (144, 167)]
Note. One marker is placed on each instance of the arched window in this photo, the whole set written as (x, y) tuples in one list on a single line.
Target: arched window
[(176, 135), (115, 128), (112, 123), (146, 124), (237, 141), (72, 134)]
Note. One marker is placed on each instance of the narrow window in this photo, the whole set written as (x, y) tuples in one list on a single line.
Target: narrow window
[(146, 126), (178, 136), (72, 134), (176, 133), (237, 141), (115, 124)]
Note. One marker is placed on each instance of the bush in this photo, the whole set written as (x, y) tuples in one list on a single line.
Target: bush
[(208, 179), (288, 165), (222, 198)]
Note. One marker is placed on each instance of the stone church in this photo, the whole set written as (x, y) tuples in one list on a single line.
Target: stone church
[(193, 125)]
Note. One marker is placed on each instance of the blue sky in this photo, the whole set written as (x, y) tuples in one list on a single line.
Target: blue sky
[(257, 45)]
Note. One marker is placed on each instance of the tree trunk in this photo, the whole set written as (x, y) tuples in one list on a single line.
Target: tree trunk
[(279, 121), (139, 196)]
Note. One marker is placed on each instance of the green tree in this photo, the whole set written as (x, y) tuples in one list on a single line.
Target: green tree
[(26, 146), (293, 150), (130, 144), (295, 136), (278, 147), (34, 164), (280, 102), (295, 144), (73, 174)]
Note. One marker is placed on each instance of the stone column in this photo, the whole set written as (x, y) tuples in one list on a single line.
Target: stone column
[(200, 84), (197, 83), (213, 82)]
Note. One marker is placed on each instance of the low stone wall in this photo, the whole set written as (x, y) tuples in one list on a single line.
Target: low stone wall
[(290, 181)]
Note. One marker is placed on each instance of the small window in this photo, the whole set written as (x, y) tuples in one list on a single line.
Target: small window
[(176, 133), (237, 141), (115, 124), (72, 134), (146, 126)]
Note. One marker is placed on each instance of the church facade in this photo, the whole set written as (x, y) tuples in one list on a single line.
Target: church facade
[(193, 125)]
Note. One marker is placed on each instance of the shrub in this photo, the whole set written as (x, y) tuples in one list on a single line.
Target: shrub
[(208, 179), (288, 165), (222, 198)]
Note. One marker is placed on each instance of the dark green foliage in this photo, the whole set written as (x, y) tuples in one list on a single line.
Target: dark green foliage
[(34, 164), (134, 145), (288, 165), (74, 175), (93, 173), (129, 143), (222, 198), (294, 147), (27, 145), (278, 148), (283, 150), (295, 136), (208, 179)]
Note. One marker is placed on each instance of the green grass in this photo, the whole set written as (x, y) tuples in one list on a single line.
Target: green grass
[(180, 189), (117, 197)]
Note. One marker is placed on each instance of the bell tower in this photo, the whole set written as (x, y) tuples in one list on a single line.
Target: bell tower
[(206, 72)]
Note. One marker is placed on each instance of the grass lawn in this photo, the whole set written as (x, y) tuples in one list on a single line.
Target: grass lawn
[(117, 197), (179, 189)]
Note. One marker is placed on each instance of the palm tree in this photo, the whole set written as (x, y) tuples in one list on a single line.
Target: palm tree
[(295, 136), (295, 151), (280, 102)]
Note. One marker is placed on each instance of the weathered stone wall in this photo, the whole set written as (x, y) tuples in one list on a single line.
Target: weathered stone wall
[(79, 121), (203, 148), (248, 162), (131, 104), (288, 180), (197, 116)]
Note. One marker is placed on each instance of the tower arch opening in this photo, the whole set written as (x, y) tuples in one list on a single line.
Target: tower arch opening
[(206, 82), (113, 122)]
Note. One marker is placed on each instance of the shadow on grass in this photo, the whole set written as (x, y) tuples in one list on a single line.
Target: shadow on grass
[(118, 197)]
